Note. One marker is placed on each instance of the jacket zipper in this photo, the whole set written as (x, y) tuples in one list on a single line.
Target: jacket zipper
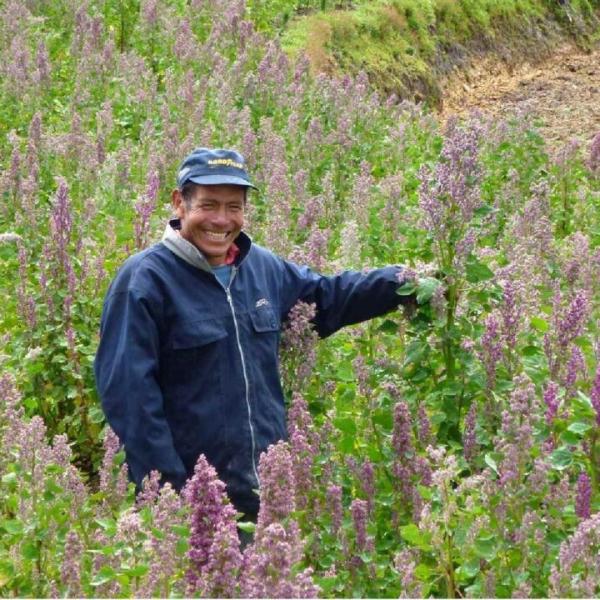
[(244, 372)]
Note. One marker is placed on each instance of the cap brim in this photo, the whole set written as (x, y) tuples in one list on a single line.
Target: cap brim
[(221, 180)]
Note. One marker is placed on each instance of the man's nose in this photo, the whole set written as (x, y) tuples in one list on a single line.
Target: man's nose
[(220, 216)]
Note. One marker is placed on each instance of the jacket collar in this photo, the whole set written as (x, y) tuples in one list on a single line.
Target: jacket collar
[(188, 252)]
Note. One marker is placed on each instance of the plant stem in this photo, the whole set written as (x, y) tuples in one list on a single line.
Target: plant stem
[(449, 570), (593, 461), (565, 206), (379, 443), (122, 36), (448, 561), (447, 343)]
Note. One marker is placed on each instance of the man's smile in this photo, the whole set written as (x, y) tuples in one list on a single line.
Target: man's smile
[(217, 236)]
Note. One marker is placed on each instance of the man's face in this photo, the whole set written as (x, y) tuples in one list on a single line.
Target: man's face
[(212, 219)]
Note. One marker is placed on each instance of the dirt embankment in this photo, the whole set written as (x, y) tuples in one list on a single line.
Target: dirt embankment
[(562, 92)]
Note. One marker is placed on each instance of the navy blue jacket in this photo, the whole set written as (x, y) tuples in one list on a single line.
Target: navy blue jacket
[(186, 367)]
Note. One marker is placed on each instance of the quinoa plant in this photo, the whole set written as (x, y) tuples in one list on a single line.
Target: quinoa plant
[(448, 451)]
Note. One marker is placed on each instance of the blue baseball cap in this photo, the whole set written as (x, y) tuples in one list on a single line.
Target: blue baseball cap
[(214, 166)]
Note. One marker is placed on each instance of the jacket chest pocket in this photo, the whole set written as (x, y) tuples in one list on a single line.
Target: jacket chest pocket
[(264, 320), (264, 331), (194, 359), (196, 334)]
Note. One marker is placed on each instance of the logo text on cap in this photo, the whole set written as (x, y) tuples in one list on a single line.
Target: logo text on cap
[(225, 162)]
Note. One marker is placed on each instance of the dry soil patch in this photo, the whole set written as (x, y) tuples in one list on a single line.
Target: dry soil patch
[(562, 92)]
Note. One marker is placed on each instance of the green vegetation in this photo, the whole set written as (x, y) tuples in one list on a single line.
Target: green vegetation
[(449, 451), (406, 46)]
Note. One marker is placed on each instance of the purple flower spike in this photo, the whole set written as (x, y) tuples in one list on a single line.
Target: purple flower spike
[(571, 324), (511, 314), (367, 476), (491, 348), (150, 489), (144, 209), (552, 402), (70, 570), (62, 224), (594, 159), (575, 366), (334, 505), (269, 567), (584, 496), (277, 485), (449, 192), (424, 428), (211, 513), (402, 432), (359, 511), (269, 563), (300, 338), (114, 487), (576, 574), (302, 460), (149, 12), (164, 563), (221, 574), (469, 438)]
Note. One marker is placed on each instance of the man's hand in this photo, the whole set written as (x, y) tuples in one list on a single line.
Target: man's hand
[(418, 291), (425, 288)]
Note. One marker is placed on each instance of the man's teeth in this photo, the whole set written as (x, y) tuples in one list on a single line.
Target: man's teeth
[(213, 235)]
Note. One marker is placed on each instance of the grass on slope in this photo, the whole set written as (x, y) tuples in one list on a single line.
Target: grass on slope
[(405, 46)]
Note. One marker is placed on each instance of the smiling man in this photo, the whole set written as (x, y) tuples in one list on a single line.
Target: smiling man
[(188, 356)]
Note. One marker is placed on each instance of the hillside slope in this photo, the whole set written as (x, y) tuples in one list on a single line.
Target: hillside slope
[(411, 47)]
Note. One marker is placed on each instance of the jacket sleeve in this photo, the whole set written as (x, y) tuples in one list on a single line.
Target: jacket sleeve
[(126, 369), (343, 299)]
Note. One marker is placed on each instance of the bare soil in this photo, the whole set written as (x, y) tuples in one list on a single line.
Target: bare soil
[(562, 92)]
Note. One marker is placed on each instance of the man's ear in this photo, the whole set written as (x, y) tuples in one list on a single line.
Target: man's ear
[(178, 202)]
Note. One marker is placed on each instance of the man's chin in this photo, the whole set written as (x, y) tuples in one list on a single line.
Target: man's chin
[(212, 247), (214, 254)]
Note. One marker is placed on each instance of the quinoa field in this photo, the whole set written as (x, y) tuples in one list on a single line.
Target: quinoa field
[(451, 450)]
